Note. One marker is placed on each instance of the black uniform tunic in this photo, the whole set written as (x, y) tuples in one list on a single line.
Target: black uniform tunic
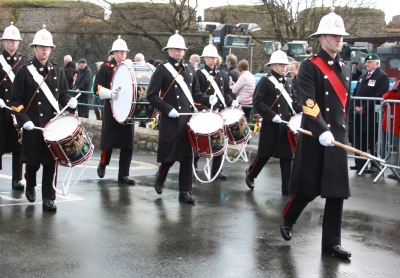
[(113, 134), (8, 135), (173, 141), (222, 80), (319, 170), (39, 111), (273, 137)]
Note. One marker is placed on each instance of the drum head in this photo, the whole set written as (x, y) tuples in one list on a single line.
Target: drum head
[(122, 106), (295, 122), (61, 128), (232, 115), (206, 122)]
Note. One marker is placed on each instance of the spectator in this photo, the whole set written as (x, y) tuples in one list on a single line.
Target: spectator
[(373, 83), (294, 71), (139, 59), (231, 63), (69, 70), (96, 100), (355, 72), (151, 61), (156, 63), (195, 61), (244, 87), (83, 83)]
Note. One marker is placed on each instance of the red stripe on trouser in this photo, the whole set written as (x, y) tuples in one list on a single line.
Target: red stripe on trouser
[(288, 206), (103, 157), (159, 170), (254, 165)]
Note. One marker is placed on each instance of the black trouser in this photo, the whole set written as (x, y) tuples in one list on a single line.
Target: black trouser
[(48, 176), (83, 110), (125, 157), (331, 223), (16, 166), (286, 167), (185, 173), (217, 160)]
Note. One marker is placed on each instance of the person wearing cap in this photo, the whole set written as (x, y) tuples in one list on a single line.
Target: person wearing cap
[(355, 72), (114, 134), (40, 89), (173, 89), (319, 169), (272, 98), (374, 83), (214, 82), (83, 82), (10, 62)]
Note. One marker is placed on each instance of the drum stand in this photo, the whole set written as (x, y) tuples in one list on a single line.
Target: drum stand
[(66, 186), (242, 152)]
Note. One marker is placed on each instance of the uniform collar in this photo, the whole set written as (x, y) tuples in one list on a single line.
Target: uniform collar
[(328, 59), (40, 68), (280, 78), (10, 59), (175, 63), (212, 71)]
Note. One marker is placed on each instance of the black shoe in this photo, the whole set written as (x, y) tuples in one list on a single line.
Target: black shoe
[(354, 167), (49, 205), (30, 194), (370, 171), (186, 197), (17, 185), (286, 230), (158, 186), (336, 251), (221, 176), (392, 176), (101, 170), (126, 180), (249, 180)]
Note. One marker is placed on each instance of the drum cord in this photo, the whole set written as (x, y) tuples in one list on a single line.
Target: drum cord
[(284, 85), (172, 83), (242, 152), (207, 166)]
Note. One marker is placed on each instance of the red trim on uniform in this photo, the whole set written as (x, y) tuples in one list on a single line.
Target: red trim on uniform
[(337, 85), (103, 157), (288, 206), (254, 166), (159, 170)]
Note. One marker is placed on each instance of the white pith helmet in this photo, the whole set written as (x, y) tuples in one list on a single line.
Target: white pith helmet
[(175, 41), (330, 24), (11, 33), (119, 45), (43, 38), (210, 51), (278, 57)]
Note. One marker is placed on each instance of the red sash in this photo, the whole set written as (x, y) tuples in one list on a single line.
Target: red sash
[(337, 85)]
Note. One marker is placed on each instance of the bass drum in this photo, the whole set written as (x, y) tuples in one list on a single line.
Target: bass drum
[(143, 111)]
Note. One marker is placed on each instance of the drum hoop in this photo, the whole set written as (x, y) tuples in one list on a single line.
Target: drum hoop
[(133, 76), (62, 140), (291, 121)]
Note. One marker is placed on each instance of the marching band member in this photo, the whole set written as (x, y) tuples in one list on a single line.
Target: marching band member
[(214, 82), (273, 100), (172, 90), (318, 169), (10, 62), (39, 88), (114, 134)]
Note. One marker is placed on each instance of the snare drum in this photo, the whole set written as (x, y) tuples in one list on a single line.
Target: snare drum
[(206, 134), (122, 107), (66, 139), (235, 125), (292, 133), (143, 110)]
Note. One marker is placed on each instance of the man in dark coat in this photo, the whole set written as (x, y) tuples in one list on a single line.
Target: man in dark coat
[(39, 88), (318, 167), (69, 70), (355, 72), (10, 62), (211, 73), (374, 83), (173, 89), (273, 100), (233, 73), (113, 133), (83, 82)]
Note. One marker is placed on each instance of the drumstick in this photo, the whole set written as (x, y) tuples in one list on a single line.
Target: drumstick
[(65, 107), (338, 144), (9, 108), (183, 114), (41, 128)]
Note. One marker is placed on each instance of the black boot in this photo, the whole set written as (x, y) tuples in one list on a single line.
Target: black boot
[(17, 185), (101, 170), (186, 197)]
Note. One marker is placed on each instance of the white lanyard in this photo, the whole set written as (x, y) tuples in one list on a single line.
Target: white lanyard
[(285, 94), (7, 68), (214, 85)]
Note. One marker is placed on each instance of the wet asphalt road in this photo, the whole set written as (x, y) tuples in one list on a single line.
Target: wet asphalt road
[(103, 229)]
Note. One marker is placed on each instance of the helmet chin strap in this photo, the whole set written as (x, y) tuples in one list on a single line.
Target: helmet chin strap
[(175, 56), (273, 67), (330, 47)]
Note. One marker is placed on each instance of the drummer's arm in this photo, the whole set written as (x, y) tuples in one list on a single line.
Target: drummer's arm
[(153, 93), (18, 96), (198, 91), (260, 99)]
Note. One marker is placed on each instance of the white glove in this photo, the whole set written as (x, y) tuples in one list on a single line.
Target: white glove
[(277, 119), (235, 103), (326, 139), (213, 99), (173, 113), (2, 104), (28, 125), (72, 103)]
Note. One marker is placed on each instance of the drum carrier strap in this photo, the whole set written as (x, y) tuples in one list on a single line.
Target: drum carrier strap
[(283, 92), (214, 85), (8, 69)]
